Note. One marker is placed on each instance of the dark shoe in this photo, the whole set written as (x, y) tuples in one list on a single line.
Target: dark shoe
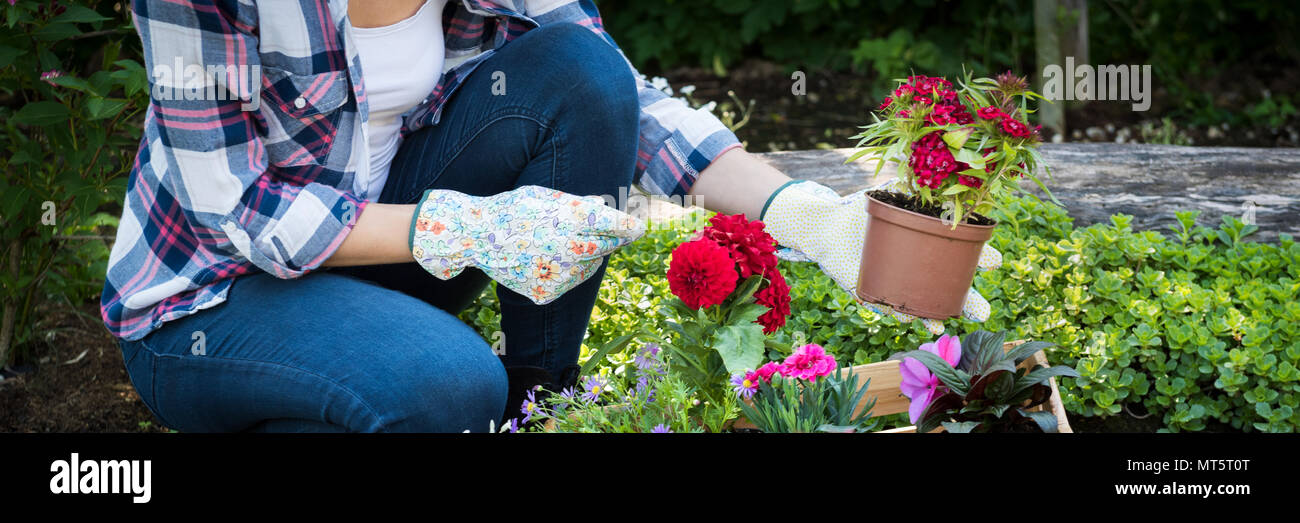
[(526, 378)]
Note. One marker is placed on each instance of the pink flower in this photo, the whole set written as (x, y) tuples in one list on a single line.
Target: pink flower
[(52, 73), (808, 362), (921, 385), (885, 104), (768, 370)]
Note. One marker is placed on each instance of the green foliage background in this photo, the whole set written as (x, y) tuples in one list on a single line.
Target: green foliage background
[(69, 142), (1186, 42)]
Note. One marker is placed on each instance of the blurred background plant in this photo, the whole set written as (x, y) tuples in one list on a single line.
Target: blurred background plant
[(1214, 61), (71, 98)]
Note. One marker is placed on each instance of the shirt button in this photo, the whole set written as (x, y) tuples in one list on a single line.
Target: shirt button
[(300, 102)]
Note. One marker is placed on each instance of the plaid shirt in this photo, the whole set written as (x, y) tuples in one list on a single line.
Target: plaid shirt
[(218, 191)]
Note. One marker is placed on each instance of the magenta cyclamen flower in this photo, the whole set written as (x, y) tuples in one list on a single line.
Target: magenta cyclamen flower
[(808, 362), (919, 384), (746, 383)]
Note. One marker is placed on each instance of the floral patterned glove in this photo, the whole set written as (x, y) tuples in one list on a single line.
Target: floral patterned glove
[(814, 223), (536, 241)]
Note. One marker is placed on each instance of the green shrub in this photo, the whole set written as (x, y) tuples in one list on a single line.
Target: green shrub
[(68, 143), (1200, 327)]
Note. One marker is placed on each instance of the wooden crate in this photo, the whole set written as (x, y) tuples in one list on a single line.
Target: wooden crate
[(885, 380)]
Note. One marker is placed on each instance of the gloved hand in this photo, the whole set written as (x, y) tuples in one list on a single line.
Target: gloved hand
[(536, 241), (814, 223)]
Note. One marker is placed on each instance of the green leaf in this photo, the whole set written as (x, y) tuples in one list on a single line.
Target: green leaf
[(1042, 374), (1023, 351), (71, 82), (974, 158), (1045, 420), (960, 427), (955, 189), (741, 346), (100, 108), (615, 344), (8, 54), (956, 139), (57, 31), (41, 113), (745, 313), (79, 14)]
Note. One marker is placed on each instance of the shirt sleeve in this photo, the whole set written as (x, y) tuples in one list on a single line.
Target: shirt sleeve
[(676, 141), (215, 168)]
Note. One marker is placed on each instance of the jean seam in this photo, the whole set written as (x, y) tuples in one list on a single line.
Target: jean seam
[(501, 114), (154, 380)]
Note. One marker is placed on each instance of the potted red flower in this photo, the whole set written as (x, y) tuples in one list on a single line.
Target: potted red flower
[(960, 151)]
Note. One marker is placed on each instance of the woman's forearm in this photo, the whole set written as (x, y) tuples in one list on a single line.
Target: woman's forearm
[(737, 182), (380, 236)]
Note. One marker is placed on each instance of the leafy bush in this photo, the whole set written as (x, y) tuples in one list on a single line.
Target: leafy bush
[(1199, 327), (70, 100)]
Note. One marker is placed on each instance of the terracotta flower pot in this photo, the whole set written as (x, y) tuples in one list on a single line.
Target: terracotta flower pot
[(916, 263)]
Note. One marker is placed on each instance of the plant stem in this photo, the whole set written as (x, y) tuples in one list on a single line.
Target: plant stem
[(10, 314)]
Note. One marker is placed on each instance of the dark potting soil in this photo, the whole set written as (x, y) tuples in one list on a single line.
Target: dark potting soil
[(917, 205)]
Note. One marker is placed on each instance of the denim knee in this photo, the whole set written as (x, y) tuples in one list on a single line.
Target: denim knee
[(596, 80), (437, 398)]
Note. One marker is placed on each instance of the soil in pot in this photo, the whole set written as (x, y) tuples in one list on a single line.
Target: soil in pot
[(917, 205), (914, 262)]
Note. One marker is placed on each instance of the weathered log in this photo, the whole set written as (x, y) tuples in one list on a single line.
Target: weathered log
[(1150, 182)]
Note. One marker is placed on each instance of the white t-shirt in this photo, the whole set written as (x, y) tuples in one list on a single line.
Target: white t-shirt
[(401, 63)]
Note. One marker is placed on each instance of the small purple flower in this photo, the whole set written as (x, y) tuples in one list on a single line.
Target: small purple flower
[(647, 359), (746, 384), (513, 425), (592, 386), (660, 429), (565, 399), (529, 407)]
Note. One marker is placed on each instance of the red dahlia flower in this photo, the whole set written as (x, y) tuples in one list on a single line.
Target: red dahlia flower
[(776, 297), (752, 248), (701, 273)]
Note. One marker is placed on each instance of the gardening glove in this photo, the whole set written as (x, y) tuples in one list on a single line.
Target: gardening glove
[(536, 241), (813, 223)]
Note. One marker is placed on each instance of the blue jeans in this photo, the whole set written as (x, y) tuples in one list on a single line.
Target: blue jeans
[(378, 348)]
